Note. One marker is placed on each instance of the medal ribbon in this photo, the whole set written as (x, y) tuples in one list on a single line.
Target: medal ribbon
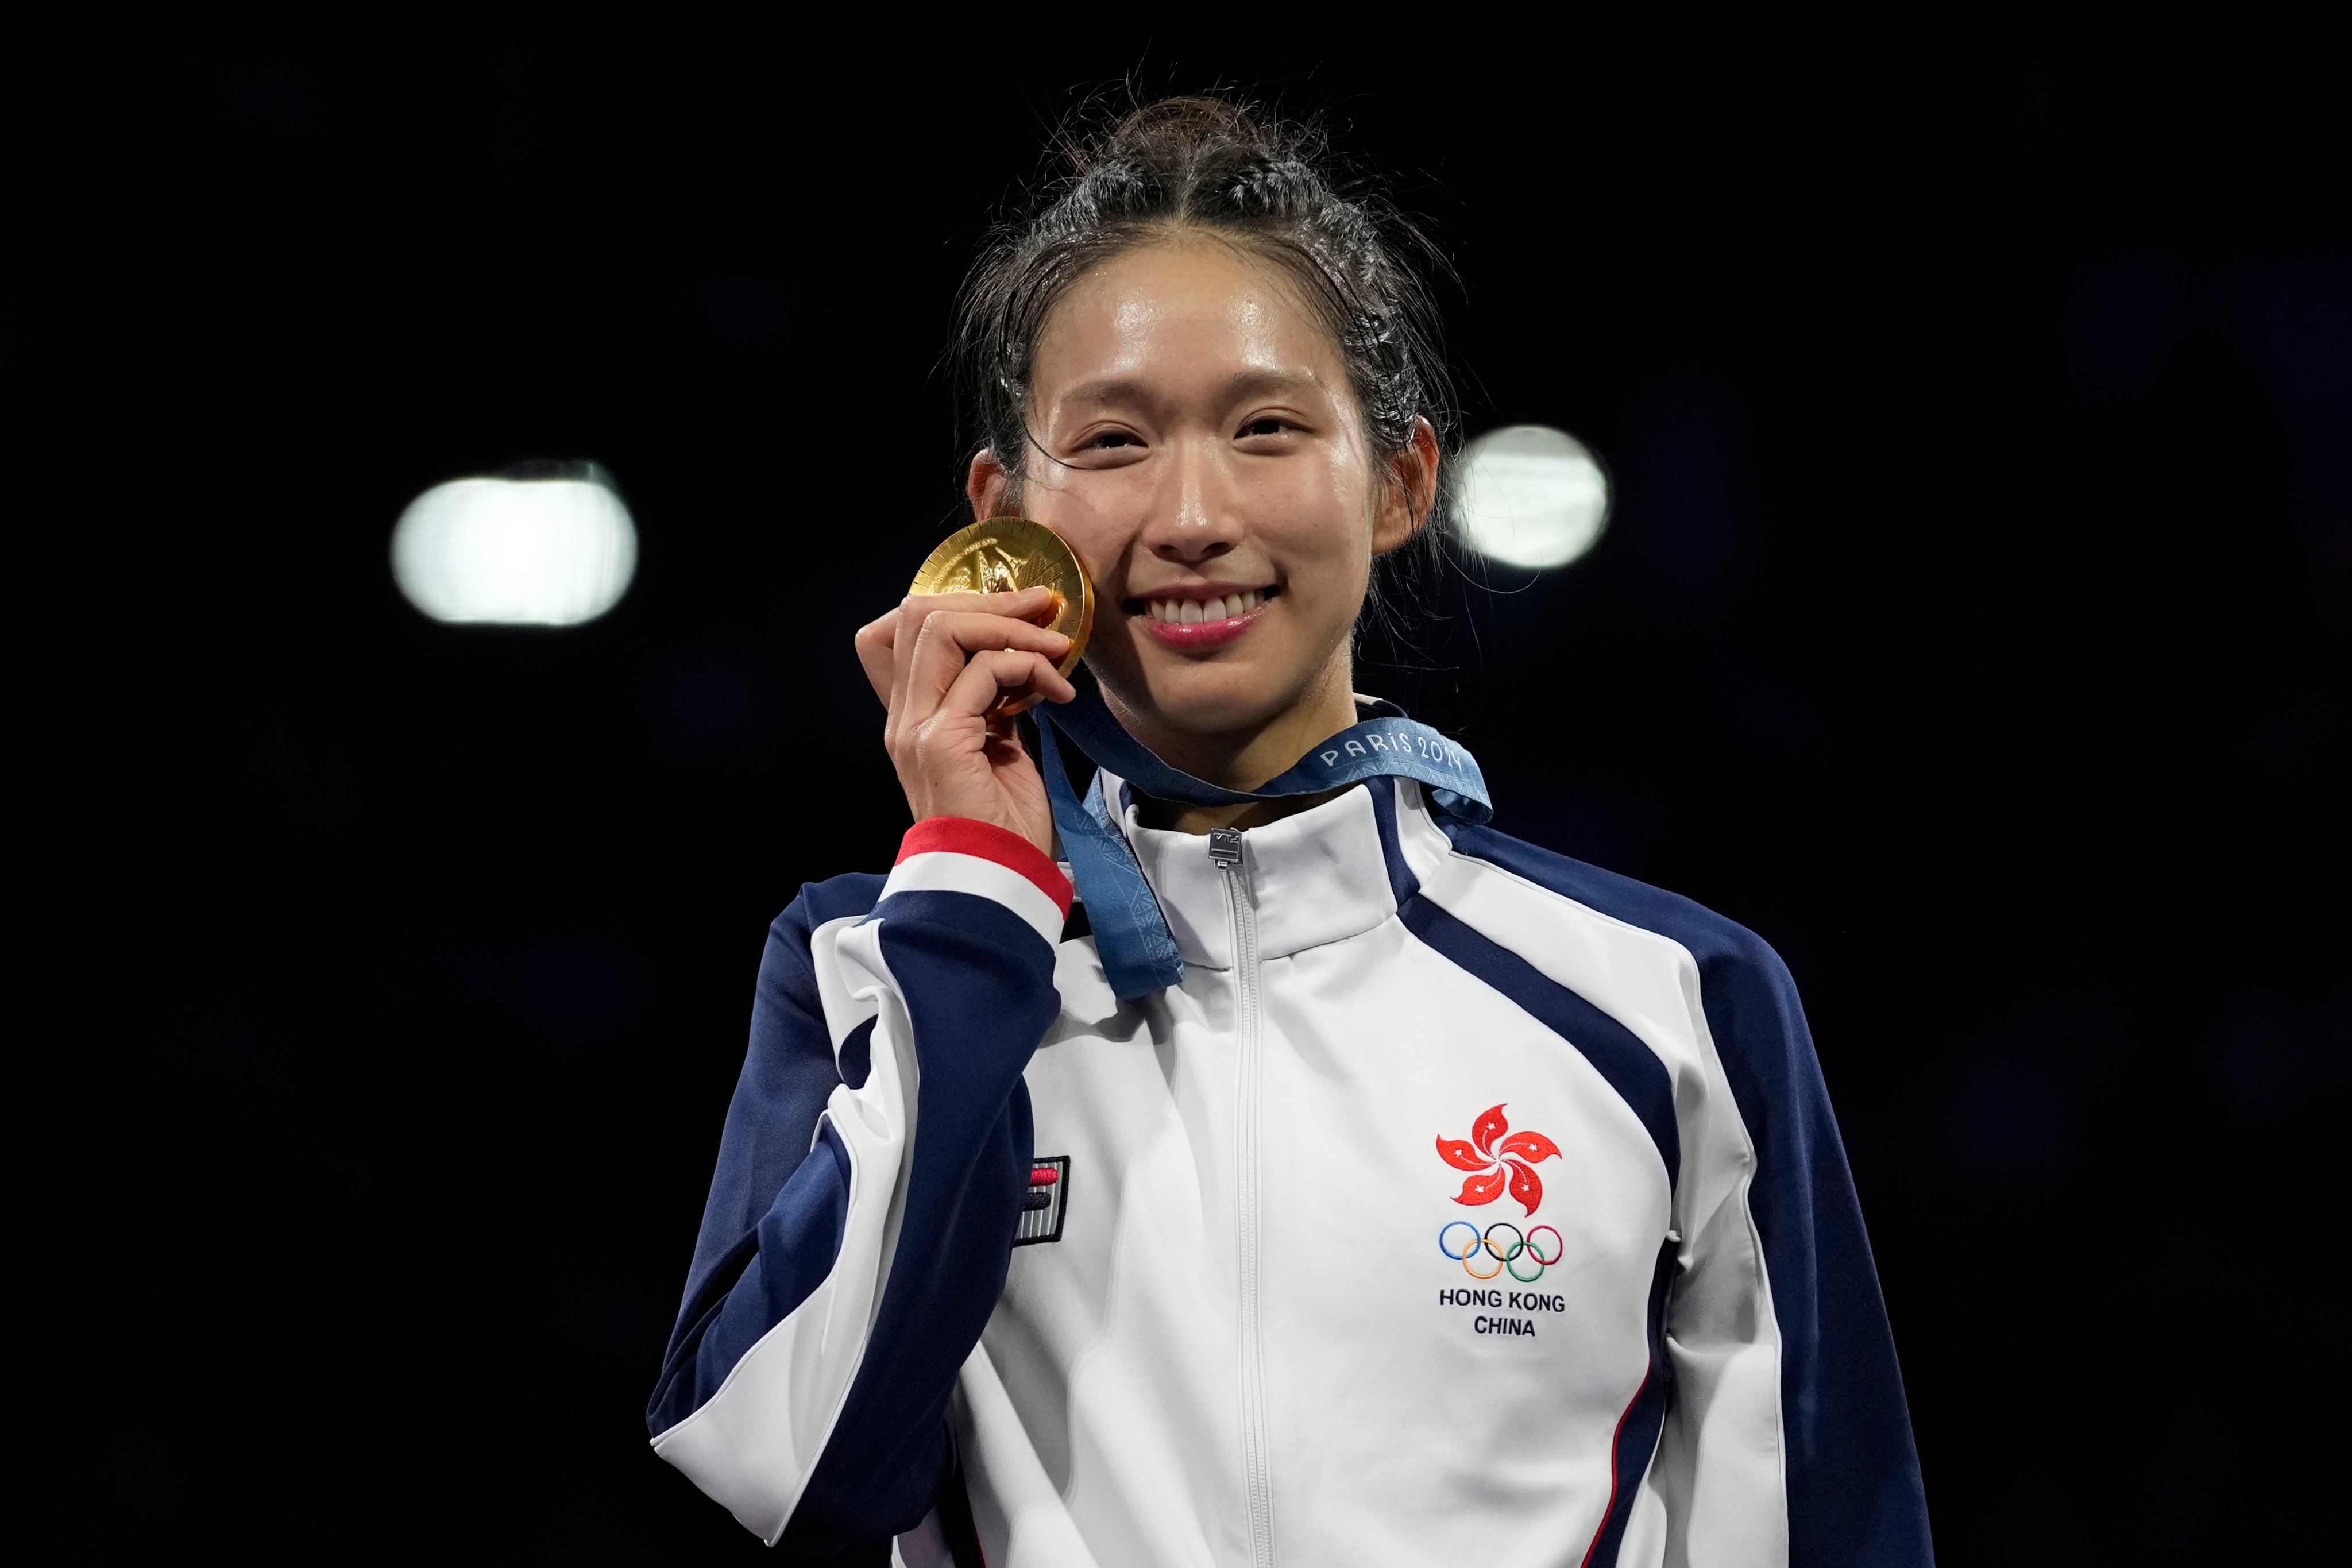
[(1139, 955)]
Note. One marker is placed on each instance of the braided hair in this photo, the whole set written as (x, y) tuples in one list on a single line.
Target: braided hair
[(1211, 166)]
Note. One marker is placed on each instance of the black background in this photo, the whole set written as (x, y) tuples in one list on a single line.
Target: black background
[(1977, 389)]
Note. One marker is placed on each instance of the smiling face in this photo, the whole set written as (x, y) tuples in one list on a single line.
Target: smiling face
[(1199, 446)]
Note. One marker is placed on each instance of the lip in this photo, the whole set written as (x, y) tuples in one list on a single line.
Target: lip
[(1201, 636)]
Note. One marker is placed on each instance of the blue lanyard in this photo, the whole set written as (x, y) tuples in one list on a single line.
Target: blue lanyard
[(1139, 955)]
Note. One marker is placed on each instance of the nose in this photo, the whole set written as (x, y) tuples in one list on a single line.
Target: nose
[(1193, 518)]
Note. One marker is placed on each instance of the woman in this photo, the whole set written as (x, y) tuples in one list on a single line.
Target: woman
[(1378, 1189)]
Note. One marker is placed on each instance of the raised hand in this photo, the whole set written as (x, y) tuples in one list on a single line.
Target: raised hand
[(939, 662)]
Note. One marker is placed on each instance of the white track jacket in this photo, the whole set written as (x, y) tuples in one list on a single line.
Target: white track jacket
[(1464, 1203)]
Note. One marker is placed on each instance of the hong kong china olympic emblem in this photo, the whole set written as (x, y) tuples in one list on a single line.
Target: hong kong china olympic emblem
[(1498, 1158)]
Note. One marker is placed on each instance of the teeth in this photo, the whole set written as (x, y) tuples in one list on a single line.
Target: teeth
[(1192, 612)]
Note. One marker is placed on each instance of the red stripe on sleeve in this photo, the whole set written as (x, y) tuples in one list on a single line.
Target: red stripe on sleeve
[(985, 840)]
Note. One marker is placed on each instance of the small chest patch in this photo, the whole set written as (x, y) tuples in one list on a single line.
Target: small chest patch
[(1048, 1200)]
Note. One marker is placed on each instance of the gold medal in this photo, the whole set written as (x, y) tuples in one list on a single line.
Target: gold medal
[(1006, 553)]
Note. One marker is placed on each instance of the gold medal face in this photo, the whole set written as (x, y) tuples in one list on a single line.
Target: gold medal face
[(1006, 554)]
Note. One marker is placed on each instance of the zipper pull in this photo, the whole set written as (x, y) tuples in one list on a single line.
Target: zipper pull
[(1225, 848)]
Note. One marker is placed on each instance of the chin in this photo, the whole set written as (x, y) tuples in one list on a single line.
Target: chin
[(1209, 699)]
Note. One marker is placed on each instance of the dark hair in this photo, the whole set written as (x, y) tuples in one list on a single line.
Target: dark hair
[(1218, 168)]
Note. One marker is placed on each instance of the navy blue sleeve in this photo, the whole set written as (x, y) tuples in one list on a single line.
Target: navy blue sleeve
[(1855, 1491), (978, 989), (1855, 1496), (976, 984), (745, 1253)]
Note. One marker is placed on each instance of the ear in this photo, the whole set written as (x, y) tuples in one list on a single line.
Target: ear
[(987, 485), (1410, 494)]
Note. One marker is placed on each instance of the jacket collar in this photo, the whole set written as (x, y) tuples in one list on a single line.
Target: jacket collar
[(1319, 876)]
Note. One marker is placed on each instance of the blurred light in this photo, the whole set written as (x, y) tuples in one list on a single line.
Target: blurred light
[(545, 544), (1530, 495)]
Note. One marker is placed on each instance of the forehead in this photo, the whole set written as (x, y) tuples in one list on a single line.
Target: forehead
[(1181, 313)]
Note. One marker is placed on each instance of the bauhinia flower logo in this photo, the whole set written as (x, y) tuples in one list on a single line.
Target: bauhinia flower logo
[(1513, 1159)]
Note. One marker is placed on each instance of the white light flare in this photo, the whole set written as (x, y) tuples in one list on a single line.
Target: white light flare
[(522, 551), (1530, 495)]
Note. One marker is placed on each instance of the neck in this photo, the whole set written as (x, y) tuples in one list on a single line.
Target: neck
[(1243, 759)]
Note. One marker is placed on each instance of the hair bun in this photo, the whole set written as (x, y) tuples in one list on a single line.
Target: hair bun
[(1183, 132)]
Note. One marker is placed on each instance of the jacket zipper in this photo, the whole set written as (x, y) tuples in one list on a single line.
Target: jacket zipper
[(1225, 850)]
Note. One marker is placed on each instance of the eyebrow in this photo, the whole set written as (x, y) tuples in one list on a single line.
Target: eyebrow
[(1118, 389)]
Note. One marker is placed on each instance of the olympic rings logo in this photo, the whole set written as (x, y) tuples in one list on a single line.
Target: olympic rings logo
[(1506, 1255)]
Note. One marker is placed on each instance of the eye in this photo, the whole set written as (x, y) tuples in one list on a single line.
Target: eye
[(1266, 425), (1107, 440)]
